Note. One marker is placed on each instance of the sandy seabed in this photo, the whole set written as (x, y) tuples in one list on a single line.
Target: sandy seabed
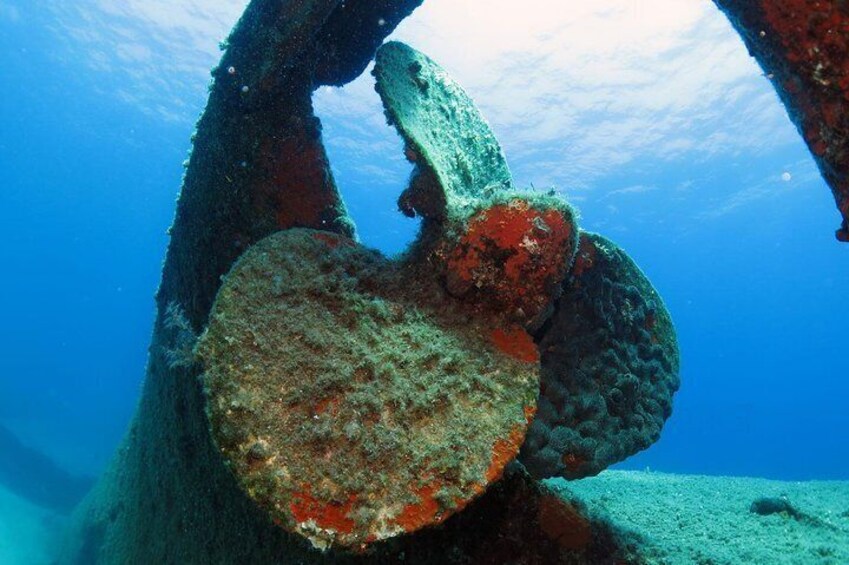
[(674, 519), (705, 520)]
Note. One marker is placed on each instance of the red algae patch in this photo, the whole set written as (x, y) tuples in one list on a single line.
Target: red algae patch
[(354, 399), (516, 343), (331, 515), (424, 512), (513, 255), (584, 259), (504, 451)]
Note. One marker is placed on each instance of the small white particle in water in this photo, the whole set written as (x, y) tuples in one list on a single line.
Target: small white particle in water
[(763, 33), (244, 164), (381, 22), (245, 88), (231, 70), (786, 177)]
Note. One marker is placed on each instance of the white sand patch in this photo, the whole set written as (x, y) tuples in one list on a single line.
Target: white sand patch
[(691, 519)]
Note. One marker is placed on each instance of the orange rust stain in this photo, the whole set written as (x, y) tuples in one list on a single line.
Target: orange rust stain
[(562, 523), (516, 343), (411, 154), (806, 43), (585, 258), (326, 405), (550, 254), (423, 513), (515, 253), (304, 194), (650, 324), (332, 240), (295, 181), (649, 321), (329, 515), (572, 462), (504, 451)]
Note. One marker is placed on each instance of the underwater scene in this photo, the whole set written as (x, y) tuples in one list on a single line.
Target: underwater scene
[(424, 281)]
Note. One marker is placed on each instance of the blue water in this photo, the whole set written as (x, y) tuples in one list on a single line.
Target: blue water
[(91, 144)]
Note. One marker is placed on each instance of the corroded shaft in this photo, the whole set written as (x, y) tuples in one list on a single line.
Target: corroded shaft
[(258, 165), (803, 47)]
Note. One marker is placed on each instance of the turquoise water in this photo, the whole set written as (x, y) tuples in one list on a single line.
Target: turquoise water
[(667, 139)]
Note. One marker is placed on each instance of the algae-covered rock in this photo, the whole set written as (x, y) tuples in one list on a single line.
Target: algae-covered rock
[(767, 505), (352, 397), (609, 367)]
